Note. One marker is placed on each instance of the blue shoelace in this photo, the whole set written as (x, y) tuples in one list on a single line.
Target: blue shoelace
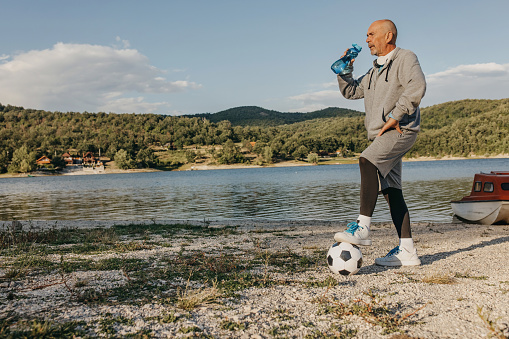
[(394, 251), (352, 227)]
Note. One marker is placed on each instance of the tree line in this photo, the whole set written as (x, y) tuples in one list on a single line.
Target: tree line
[(459, 128)]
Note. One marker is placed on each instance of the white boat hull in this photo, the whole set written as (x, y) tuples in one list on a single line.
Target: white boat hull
[(482, 212)]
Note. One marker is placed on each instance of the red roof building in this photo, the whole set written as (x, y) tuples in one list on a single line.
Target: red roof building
[(44, 160)]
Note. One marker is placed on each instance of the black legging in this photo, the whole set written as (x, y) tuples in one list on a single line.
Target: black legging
[(394, 196)]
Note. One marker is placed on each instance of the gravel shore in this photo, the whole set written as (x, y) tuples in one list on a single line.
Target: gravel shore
[(253, 279)]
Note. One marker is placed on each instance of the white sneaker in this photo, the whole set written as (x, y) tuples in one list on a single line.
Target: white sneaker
[(399, 257), (354, 234)]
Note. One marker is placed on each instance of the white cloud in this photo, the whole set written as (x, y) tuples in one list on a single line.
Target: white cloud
[(478, 81), (326, 95), (316, 96), (471, 72), (83, 77), (313, 101), (125, 43), (132, 105)]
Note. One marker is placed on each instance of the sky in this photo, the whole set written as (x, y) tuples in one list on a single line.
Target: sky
[(178, 57)]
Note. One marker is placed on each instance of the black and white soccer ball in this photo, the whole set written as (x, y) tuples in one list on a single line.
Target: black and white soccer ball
[(344, 258)]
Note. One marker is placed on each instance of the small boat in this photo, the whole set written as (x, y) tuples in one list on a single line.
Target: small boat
[(488, 203)]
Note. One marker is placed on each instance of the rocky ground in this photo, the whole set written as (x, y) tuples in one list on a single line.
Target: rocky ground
[(253, 279)]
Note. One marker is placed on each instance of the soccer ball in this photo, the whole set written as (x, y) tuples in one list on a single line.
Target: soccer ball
[(344, 258)]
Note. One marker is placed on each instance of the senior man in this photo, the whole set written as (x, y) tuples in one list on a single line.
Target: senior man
[(392, 91)]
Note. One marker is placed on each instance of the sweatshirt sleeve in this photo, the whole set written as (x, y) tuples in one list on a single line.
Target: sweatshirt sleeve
[(349, 87), (412, 78)]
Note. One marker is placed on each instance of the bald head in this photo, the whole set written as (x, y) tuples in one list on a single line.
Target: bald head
[(381, 37), (389, 26)]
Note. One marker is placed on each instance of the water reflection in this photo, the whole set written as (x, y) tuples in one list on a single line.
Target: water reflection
[(303, 193)]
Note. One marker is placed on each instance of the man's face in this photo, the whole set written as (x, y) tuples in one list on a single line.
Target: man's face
[(376, 39)]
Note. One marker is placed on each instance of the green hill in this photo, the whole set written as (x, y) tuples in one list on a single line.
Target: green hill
[(457, 128), (464, 128), (445, 114), (258, 116)]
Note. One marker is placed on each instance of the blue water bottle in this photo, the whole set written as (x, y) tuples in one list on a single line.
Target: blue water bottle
[(352, 53)]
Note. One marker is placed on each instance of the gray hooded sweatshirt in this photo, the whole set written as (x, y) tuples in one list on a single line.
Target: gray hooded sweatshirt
[(397, 87)]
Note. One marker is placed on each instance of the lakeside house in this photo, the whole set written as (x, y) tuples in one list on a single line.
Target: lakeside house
[(44, 160), (70, 160), (88, 160)]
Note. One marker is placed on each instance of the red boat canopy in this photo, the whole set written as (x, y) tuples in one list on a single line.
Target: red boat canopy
[(489, 186)]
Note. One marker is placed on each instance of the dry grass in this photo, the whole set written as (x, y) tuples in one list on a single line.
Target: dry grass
[(374, 311), (500, 331), (189, 299), (439, 278)]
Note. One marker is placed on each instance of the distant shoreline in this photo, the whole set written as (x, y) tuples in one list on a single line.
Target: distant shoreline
[(205, 167)]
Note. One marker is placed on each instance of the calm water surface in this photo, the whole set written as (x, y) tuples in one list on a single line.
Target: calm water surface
[(292, 193)]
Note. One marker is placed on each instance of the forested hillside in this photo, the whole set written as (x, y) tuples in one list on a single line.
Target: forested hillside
[(460, 128), (465, 127), (258, 116)]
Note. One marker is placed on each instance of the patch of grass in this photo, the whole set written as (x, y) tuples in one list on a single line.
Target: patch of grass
[(141, 334), (67, 266), (232, 325), (330, 281), (196, 265), (110, 264), (189, 299), (308, 324), (282, 314), (81, 283), (279, 331), (241, 281), (439, 279), (262, 230), (14, 273), (168, 318), (12, 327), (107, 324), (27, 264), (54, 236), (374, 311), (120, 264), (90, 296), (288, 261), (190, 329), (145, 278), (406, 275), (497, 331), (132, 246), (231, 273), (96, 239), (168, 230), (85, 248), (467, 275), (334, 332)]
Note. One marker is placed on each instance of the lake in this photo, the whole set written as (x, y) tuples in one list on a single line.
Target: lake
[(328, 192)]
